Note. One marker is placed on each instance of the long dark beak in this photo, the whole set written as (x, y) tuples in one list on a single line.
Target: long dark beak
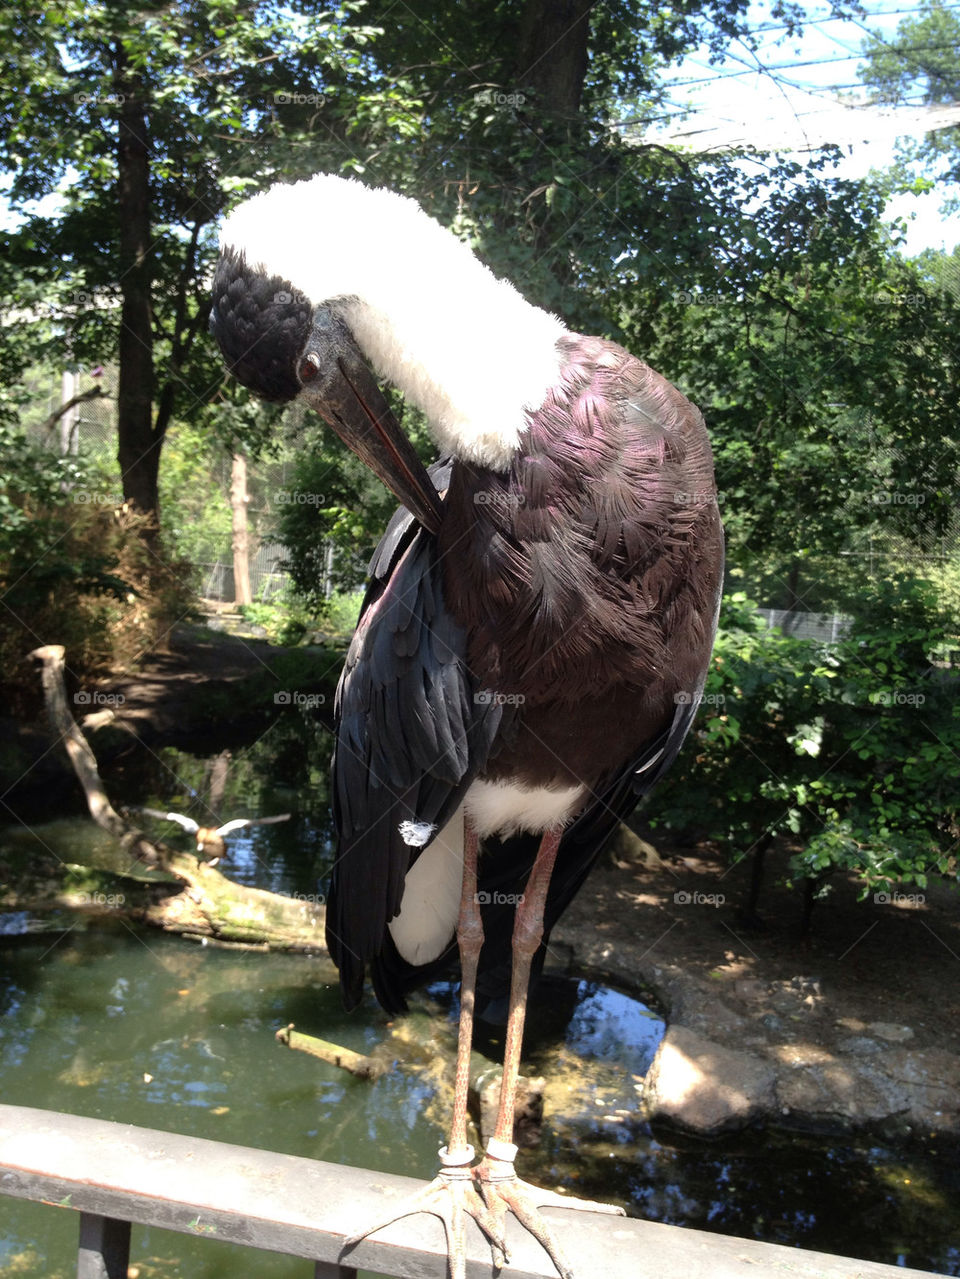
[(337, 384)]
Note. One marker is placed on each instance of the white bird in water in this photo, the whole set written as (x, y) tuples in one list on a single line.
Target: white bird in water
[(210, 839)]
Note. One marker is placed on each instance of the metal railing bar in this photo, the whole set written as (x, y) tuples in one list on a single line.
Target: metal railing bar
[(328, 1270), (104, 1248), (118, 1173)]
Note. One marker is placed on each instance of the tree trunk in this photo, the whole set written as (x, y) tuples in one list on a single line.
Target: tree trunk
[(139, 447), (70, 416), (793, 599), (551, 58), (241, 544), (748, 912)]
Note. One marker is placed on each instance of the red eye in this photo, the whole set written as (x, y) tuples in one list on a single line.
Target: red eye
[(309, 367)]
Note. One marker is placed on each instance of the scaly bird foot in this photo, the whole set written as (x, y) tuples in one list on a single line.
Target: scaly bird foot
[(453, 1198), (503, 1190)]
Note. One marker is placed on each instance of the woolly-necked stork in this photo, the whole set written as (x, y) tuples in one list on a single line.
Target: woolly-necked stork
[(534, 641)]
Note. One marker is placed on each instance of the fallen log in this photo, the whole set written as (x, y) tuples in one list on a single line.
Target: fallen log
[(206, 906)]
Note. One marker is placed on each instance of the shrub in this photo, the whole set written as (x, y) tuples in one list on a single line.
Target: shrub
[(76, 569), (850, 749)]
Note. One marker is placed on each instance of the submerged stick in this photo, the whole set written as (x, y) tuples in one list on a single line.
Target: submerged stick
[(357, 1063)]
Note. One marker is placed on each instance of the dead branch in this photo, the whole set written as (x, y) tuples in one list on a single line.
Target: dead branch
[(93, 393), (208, 905), (51, 659)]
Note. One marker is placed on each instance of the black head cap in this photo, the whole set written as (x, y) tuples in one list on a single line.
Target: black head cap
[(262, 324)]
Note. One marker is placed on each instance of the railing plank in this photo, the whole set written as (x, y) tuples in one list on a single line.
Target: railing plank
[(328, 1270), (306, 1208), (104, 1250)]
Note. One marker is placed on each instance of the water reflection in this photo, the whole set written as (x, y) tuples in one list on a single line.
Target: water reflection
[(286, 770), (117, 1022)]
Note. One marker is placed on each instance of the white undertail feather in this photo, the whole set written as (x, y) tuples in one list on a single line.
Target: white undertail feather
[(427, 922), (430, 908), (504, 808), (463, 346)]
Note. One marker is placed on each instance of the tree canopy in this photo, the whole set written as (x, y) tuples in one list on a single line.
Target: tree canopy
[(772, 292), (921, 64)]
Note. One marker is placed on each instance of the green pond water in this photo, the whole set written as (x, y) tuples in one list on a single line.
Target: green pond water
[(122, 1023)]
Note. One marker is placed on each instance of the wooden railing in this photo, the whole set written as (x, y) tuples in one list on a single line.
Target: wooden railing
[(115, 1174)]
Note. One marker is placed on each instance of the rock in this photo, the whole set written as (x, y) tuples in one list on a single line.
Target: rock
[(859, 1045), (528, 1110), (841, 1095), (930, 1080), (893, 1034), (705, 1088), (750, 988), (793, 1055), (709, 1015)]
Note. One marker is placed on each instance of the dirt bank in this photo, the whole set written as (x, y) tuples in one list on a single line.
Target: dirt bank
[(857, 1026)]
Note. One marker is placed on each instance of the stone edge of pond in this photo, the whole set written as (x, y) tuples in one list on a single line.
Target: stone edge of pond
[(715, 1074)]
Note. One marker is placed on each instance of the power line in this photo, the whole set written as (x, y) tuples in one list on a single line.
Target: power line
[(811, 62), (931, 72), (835, 17)]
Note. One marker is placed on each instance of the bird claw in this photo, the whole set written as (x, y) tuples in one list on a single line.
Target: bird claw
[(503, 1190), (452, 1197)]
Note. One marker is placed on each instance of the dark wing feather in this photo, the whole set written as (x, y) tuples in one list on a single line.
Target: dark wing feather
[(410, 736), (506, 863)]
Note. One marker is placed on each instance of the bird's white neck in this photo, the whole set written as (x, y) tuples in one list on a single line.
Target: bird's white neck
[(463, 346)]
